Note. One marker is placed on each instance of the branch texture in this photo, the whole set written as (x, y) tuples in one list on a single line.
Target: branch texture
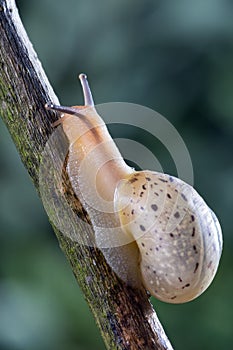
[(125, 316)]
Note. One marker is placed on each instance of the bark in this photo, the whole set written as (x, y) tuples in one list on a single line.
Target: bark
[(125, 316)]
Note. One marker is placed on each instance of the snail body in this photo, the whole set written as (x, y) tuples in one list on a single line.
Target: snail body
[(154, 230)]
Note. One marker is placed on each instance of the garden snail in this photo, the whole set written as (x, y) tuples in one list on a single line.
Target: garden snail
[(154, 229)]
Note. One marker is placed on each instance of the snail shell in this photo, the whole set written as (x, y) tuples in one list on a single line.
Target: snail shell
[(177, 234)]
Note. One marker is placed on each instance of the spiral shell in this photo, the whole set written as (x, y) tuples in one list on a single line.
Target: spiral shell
[(177, 234)]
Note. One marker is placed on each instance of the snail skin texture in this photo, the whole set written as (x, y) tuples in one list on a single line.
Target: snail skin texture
[(154, 230)]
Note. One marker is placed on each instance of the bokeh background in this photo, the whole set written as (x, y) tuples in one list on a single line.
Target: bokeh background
[(175, 57)]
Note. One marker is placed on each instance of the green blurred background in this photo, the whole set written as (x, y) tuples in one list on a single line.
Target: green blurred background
[(175, 57)]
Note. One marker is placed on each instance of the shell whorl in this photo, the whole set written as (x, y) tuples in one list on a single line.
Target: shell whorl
[(177, 234)]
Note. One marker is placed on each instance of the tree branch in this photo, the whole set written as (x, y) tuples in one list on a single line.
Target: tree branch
[(125, 316)]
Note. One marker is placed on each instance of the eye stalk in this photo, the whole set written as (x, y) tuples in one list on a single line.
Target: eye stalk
[(63, 109), (88, 100)]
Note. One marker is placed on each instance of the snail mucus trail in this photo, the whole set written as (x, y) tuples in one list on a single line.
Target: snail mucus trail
[(154, 230)]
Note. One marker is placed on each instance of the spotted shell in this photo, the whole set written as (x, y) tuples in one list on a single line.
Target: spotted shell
[(178, 236)]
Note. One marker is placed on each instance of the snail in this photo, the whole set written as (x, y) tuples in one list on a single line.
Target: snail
[(155, 231)]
